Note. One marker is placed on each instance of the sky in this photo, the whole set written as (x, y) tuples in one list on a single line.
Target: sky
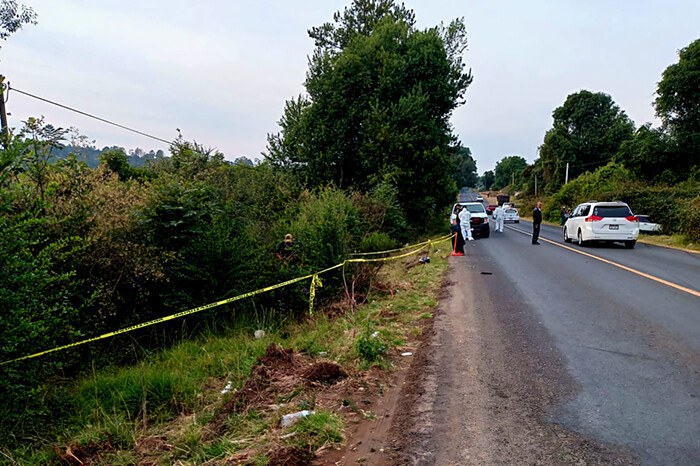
[(221, 71)]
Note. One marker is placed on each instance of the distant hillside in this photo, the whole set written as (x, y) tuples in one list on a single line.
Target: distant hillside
[(136, 158)]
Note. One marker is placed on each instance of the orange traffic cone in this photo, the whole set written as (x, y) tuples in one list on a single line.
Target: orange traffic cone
[(454, 247)]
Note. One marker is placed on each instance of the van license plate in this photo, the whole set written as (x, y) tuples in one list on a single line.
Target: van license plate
[(614, 227)]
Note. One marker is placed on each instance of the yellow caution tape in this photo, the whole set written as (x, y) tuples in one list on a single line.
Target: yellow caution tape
[(315, 282), (401, 249)]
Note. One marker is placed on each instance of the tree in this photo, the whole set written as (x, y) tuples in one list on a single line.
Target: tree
[(530, 177), (487, 179), (678, 104), (42, 139), (190, 159), (243, 160), (588, 130), (13, 17), (650, 153), (506, 168), (380, 95), (115, 159), (360, 19), (464, 167)]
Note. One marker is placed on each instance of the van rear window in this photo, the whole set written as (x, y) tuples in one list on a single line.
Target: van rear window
[(612, 211)]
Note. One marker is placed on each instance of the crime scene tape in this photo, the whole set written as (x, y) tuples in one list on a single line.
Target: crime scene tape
[(315, 282), (402, 248)]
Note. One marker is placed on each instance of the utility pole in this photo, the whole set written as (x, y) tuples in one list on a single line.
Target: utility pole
[(512, 178), (567, 173), (3, 114), (535, 185)]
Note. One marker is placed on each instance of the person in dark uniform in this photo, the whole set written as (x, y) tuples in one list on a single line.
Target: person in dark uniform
[(536, 221), (285, 249), (458, 240)]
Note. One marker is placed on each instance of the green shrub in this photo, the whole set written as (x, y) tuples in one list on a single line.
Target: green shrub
[(674, 207), (370, 348), (39, 311), (690, 223), (326, 227), (318, 429), (377, 241)]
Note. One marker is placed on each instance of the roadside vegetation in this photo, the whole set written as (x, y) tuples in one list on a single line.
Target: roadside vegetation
[(163, 407), (88, 250), (654, 170)]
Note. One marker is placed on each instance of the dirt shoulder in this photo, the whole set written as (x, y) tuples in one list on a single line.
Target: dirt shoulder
[(479, 387)]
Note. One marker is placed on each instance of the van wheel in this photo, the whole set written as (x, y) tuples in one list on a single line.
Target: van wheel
[(566, 236), (581, 242), (630, 244)]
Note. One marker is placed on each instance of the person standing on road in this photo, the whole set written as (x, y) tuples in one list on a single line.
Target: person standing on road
[(536, 221), (465, 221), (499, 214), (564, 215), (458, 246)]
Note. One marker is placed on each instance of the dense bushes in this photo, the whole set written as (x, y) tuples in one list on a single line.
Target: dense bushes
[(676, 208), (39, 303), (96, 251)]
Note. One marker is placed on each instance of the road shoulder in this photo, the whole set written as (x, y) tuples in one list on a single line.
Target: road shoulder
[(483, 381)]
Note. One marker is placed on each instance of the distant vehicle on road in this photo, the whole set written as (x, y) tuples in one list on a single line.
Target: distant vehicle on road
[(602, 221), (490, 209), (479, 221), (502, 198), (479, 198), (647, 226), (511, 215)]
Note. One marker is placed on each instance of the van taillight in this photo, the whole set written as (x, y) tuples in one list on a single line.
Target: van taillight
[(593, 218), (632, 218)]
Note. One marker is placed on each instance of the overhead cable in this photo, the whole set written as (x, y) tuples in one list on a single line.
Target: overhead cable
[(88, 115)]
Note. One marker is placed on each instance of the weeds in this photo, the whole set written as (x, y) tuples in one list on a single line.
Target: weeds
[(177, 391), (318, 429), (370, 348)]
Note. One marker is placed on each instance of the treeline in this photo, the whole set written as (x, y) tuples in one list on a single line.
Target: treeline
[(366, 161), (92, 156), (138, 157), (595, 138)]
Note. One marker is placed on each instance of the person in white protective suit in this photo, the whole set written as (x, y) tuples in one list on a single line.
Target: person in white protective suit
[(465, 222), (499, 214)]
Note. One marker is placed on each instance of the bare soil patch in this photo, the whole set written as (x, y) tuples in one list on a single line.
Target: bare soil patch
[(290, 456), (327, 372), (279, 370)]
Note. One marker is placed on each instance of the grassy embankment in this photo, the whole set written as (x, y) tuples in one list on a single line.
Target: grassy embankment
[(158, 410)]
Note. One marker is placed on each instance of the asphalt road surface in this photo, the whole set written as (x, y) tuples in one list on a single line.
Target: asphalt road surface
[(549, 355)]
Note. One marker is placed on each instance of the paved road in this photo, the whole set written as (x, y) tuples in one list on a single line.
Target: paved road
[(618, 348), (631, 343)]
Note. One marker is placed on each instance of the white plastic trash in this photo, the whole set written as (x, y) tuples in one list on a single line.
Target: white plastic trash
[(408, 353), (289, 419), (259, 334)]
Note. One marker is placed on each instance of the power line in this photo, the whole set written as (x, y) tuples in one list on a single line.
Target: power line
[(88, 115)]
